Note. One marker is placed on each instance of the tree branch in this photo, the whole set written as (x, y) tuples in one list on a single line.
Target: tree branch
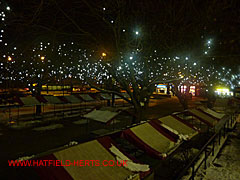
[(108, 91)]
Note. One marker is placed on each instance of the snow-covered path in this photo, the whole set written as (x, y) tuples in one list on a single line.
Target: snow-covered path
[(227, 165)]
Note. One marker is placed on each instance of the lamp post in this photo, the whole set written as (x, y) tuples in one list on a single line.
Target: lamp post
[(104, 55), (8, 82), (39, 87), (39, 84)]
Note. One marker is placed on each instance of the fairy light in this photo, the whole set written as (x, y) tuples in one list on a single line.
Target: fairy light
[(78, 61)]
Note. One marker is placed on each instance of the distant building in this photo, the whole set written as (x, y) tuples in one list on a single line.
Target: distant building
[(224, 92), (161, 89)]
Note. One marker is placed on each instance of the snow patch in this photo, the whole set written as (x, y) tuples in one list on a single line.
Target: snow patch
[(134, 176), (181, 136), (71, 143), (227, 166), (24, 158), (135, 167)]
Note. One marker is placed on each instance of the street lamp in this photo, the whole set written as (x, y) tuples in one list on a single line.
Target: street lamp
[(104, 54), (8, 66), (39, 87), (42, 58), (9, 58)]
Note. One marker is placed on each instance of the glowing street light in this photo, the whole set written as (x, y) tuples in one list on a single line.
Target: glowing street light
[(42, 58), (104, 54)]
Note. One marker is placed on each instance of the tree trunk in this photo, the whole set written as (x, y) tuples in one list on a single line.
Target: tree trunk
[(182, 97), (108, 102), (211, 98), (168, 89), (113, 99), (39, 90), (139, 114), (38, 110)]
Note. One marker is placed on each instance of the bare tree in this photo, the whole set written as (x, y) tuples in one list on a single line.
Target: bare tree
[(136, 37)]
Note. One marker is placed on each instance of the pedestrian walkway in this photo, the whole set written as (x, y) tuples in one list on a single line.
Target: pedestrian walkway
[(227, 164)]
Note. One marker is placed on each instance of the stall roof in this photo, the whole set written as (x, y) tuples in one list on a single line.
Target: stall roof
[(101, 116), (73, 99), (210, 121), (212, 113), (105, 96), (29, 101), (53, 100), (178, 126), (92, 150), (151, 140), (86, 97)]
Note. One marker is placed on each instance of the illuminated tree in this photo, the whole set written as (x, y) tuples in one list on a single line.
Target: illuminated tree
[(125, 45)]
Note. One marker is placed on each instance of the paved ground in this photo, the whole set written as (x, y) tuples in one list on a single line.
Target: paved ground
[(18, 143), (227, 165)]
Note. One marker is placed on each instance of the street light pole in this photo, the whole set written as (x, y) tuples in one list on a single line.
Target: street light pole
[(8, 82), (104, 55), (39, 87)]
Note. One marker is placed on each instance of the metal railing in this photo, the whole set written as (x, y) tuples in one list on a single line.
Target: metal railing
[(207, 150)]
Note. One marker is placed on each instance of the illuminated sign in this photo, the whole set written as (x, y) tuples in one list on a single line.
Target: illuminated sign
[(223, 92), (161, 86)]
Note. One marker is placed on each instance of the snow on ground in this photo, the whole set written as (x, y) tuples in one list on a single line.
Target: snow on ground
[(227, 165), (50, 127)]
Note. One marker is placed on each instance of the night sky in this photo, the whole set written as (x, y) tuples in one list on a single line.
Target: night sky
[(179, 23), (171, 27)]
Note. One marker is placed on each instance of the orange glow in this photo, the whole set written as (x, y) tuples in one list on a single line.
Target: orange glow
[(9, 58), (104, 54)]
